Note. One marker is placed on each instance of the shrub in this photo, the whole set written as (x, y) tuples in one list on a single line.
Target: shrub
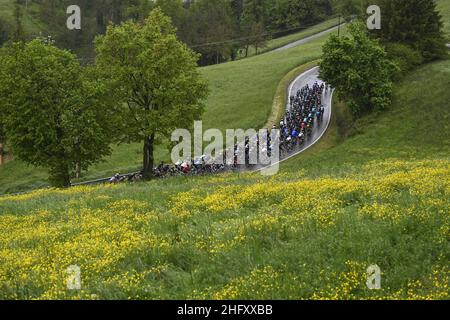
[(405, 57), (358, 67)]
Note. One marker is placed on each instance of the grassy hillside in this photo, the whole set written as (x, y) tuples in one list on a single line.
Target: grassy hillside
[(282, 41), (241, 97), (376, 192), (416, 128)]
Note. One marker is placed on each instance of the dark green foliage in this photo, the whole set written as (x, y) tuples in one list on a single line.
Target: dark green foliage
[(359, 69), (155, 76), (416, 23), (2, 138), (55, 114), (96, 15), (405, 57), (217, 29), (252, 28), (349, 8)]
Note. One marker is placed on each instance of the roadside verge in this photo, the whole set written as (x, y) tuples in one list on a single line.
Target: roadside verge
[(281, 95)]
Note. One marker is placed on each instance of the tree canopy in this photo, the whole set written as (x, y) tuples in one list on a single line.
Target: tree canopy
[(212, 28), (416, 23), (156, 78), (54, 113), (358, 67)]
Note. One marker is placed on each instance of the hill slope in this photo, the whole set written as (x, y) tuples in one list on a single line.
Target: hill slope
[(381, 196), (241, 95), (237, 100)]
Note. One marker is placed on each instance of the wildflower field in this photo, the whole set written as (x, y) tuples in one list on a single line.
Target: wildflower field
[(235, 238), (378, 193)]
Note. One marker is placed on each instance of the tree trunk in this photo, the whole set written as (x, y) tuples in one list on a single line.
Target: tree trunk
[(59, 175), (59, 170), (148, 157), (78, 170), (2, 155)]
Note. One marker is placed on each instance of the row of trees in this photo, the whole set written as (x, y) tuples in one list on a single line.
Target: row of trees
[(416, 24), (363, 65), (60, 115), (13, 31), (221, 29), (218, 29)]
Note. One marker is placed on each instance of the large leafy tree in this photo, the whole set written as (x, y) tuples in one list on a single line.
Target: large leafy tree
[(416, 23), (2, 137), (56, 113), (357, 66), (349, 9), (156, 78), (2, 118), (252, 27), (3, 52), (212, 29)]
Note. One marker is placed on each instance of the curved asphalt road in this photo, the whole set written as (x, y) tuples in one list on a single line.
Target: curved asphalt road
[(307, 39), (309, 77)]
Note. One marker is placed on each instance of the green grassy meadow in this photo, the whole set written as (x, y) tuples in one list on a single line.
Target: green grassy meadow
[(241, 95), (373, 191)]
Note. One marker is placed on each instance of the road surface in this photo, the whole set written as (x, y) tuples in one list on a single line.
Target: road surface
[(307, 39), (309, 77)]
